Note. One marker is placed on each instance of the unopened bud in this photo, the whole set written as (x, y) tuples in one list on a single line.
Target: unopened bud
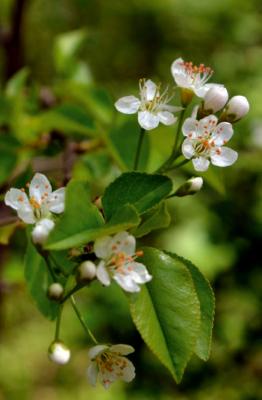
[(55, 291), (192, 186), (237, 108), (59, 353), (86, 271), (42, 230), (215, 99)]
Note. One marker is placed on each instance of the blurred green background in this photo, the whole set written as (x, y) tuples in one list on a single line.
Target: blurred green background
[(69, 48)]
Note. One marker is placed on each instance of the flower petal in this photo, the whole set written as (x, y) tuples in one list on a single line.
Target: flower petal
[(95, 350), (26, 214), (39, 187), (92, 372), (139, 272), (188, 149), (224, 157), (166, 117), (222, 133), (128, 372), (150, 90), (56, 201), (178, 71), (123, 242), (147, 120), (16, 198), (128, 104), (126, 282), (102, 247), (41, 230), (206, 125), (123, 349), (201, 163), (102, 274), (190, 127)]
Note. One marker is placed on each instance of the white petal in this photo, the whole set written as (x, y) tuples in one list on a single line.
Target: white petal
[(128, 372), (94, 351), (123, 349), (102, 247), (200, 163), (166, 117), (59, 353), (26, 214), (178, 71), (56, 201), (16, 199), (188, 149), (92, 372), (206, 125), (126, 282), (139, 273), (150, 90), (128, 105), (124, 243), (39, 187), (224, 157), (222, 133), (41, 230), (167, 107), (147, 120), (102, 274), (190, 127)]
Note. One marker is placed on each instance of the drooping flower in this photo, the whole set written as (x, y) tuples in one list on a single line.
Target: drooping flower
[(108, 364), (205, 140), (118, 255), (192, 77), (152, 107)]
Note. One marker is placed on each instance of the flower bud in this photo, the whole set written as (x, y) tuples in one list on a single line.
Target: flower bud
[(42, 230), (192, 186), (86, 271), (215, 99), (55, 291), (237, 108), (59, 353)]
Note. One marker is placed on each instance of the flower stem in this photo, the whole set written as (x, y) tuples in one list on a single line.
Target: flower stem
[(50, 268), (139, 147), (72, 291), (81, 319), (58, 323), (183, 162)]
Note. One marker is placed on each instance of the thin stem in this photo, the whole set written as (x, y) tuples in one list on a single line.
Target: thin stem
[(72, 291), (180, 121), (183, 162), (139, 147), (81, 319), (58, 323), (50, 269)]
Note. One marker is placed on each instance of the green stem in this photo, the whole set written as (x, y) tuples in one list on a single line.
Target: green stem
[(72, 291), (81, 319), (58, 323), (183, 162), (139, 147), (50, 269)]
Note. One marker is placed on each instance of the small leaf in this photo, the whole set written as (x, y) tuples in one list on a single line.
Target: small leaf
[(38, 280), (207, 307), (16, 83), (139, 189), (166, 311), (156, 218)]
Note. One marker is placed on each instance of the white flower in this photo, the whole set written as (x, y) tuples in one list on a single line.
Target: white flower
[(215, 98), (118, 256), (108, 364), (40, 203), (59, 353), (152, 106), (41, 230), (205, 140), (192, 77), (237, 108)]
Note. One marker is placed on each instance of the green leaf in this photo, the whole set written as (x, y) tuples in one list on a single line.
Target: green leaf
[(207, 307), (16, 84), (38, 280), (156, 218), (167, 312), (122, 141), (139, 189), (9, 148)]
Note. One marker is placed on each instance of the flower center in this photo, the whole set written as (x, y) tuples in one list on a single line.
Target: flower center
[(118, 261), (108, 362), (198, 73), (158, 99)]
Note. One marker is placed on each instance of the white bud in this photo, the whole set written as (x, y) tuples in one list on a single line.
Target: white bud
[(42, 230), (55, 291), (87, 271), (216, 98), (59, 353), (237, 108), (192, 186)]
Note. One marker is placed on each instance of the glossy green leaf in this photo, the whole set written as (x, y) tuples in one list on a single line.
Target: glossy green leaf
[(167, 312), (139, 189), (207, 307), (38, 280), (156, 218)]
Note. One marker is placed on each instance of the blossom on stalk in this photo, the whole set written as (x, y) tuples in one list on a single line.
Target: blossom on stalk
[(152, 107), (215, 99), (192, 77), (118, 255), (59, 353), (205, 140), (107, 363), (237, 108), (37, 208)]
